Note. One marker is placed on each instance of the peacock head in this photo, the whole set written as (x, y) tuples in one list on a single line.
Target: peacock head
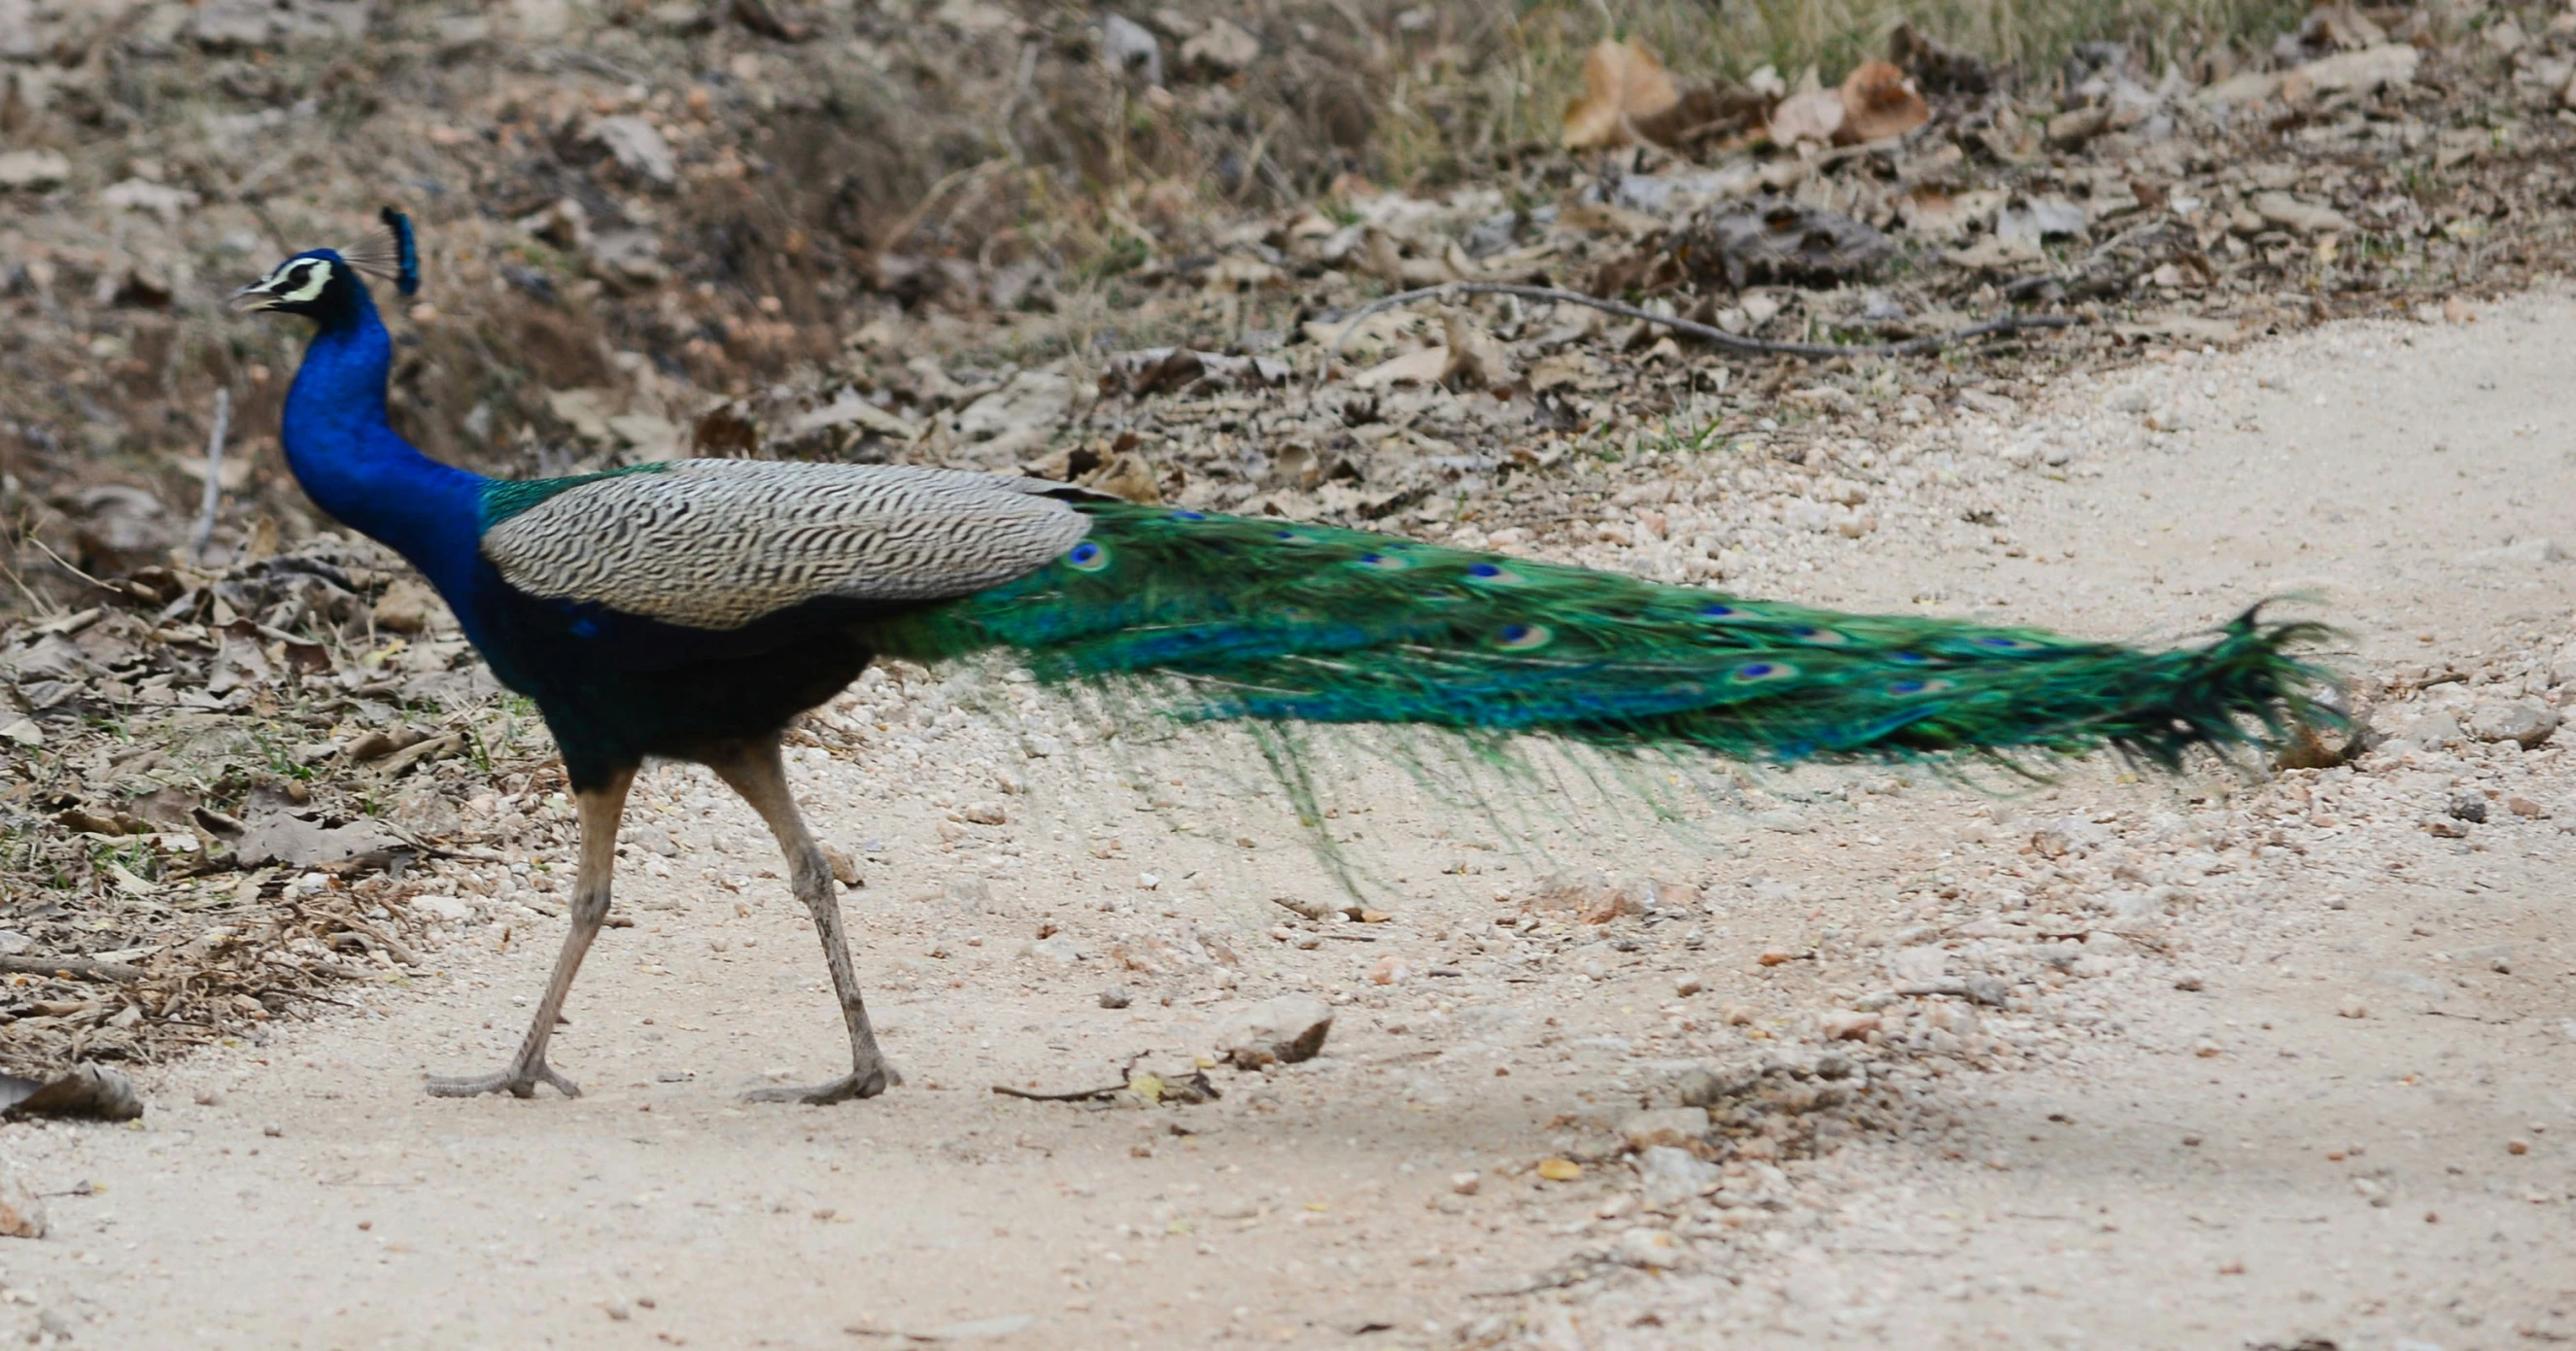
[(324, 285), (318, 284)]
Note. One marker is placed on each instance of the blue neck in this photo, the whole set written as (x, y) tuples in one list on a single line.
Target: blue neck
[(354, 466)]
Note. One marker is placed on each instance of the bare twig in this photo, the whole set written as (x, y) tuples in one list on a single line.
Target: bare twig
[(87, 968), (213, 498), (1078, 1095), (66, 565), (1930, 342)]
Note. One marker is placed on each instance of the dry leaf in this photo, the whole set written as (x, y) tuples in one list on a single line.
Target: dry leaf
[(1622, 81), (1879, 102), (1813, 116)]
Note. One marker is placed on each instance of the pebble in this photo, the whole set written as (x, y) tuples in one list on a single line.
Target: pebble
[(1673, 1176), (2517, 1146), (2190, 980), (1116, 997), (1656, 1249), (1666, 1126), (1285, 1030), (1699, 1087), (1467, 1183), (1848, 1024), (2352, 1007)]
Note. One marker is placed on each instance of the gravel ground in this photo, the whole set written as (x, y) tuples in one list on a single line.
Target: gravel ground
[(2132, 1063)]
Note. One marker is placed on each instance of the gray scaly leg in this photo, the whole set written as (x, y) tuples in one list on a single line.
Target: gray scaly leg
[(600, 812), (760, 775)]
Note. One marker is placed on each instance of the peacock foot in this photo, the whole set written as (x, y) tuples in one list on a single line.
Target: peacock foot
[(519, 1081), (857, 1084)]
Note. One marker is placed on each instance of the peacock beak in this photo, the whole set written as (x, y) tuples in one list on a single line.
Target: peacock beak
[(255, 297)]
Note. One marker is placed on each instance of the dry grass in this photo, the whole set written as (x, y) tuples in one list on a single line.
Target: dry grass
[(1493, 78)]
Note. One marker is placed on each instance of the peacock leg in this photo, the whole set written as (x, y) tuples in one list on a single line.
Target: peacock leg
[(600, 812), (759, 773)]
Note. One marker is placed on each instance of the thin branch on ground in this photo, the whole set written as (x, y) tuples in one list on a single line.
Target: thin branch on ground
[(88, 968), (214, 494)]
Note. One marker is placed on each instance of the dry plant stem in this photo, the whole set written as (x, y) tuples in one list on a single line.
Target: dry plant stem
[(600, 811), (85, 968), (214, 494), (1078, 1095), (1930, 342), (759, 773)]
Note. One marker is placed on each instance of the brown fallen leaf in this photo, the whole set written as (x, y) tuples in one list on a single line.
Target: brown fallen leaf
[(1813, 116), (1622, 82), (1879, 102)]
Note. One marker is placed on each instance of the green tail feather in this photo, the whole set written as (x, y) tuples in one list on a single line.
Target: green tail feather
[(1279, 621)]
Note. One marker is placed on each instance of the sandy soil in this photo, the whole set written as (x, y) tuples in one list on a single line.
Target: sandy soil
[(2105, 1157)]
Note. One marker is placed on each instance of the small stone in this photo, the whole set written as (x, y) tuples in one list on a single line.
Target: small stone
[(2207, 1049), (2517, 1146), (2525, 807), (2191, 1142), (1466, 1184), (2525, 724), (1389, 970), (22, 1212), (1847, 1024), (1736, 1015), (1678, 1127), (1699, 1086), (986, 814), (1673, 1176), (2469, 807), (1776, 957), (619, 1310), (272, 1130), (2352, 1007), (1285, 1030), (845, 869), (2190, 980), (1116, 997), (1559, 1170), (1691, 985), (1656, 1249)]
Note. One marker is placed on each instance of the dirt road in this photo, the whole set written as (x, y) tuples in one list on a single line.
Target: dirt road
[(2260, 1062)]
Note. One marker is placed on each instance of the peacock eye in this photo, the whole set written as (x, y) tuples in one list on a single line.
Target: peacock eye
[(1725, 614), (1189, 516), (1522, 637), (1998, 643), (1087, 557), (1761, 672), (1493, 572), (1908, 689), (1809, 633), (1385, 562)]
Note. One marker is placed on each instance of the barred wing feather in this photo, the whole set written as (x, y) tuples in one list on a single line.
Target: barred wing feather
[(717, 544)]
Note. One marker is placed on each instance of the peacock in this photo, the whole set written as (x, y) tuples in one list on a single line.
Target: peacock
[(691, 610)]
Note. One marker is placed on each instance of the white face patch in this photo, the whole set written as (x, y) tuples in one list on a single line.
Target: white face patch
[(302, 279)]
